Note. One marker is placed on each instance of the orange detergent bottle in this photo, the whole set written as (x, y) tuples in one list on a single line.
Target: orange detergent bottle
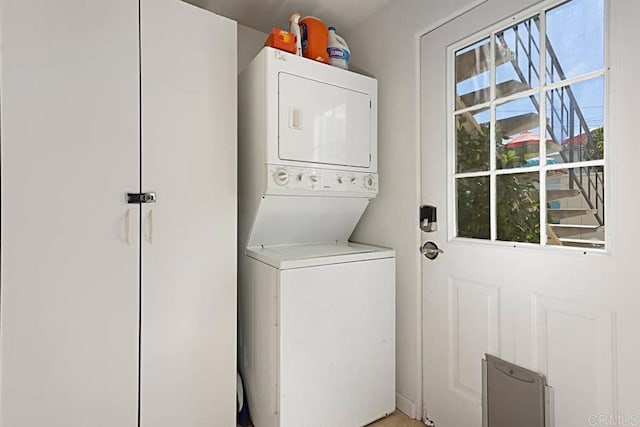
[(282, 40), (314, 34)]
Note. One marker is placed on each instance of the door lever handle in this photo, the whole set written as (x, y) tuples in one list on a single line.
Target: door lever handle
[(430, 250)]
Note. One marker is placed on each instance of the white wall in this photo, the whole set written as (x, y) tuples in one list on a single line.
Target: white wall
[(250, 42), (385, 45)]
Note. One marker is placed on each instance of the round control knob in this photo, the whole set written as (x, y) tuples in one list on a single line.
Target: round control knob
[(281, 177), (314, 178), (369, 182), (340, 180), (352, 179), (299, 177)]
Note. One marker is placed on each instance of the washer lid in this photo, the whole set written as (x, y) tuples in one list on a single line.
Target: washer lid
[(307, 255)]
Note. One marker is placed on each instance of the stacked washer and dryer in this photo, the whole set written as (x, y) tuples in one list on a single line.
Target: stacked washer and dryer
[(317, 312)]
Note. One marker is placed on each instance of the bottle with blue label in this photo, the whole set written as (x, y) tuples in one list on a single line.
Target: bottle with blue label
[(338, 50)]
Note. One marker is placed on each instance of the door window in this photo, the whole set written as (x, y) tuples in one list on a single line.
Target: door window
[(528, 129)]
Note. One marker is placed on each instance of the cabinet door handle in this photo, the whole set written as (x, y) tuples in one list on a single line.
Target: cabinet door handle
[(127, 227), (150, 226)]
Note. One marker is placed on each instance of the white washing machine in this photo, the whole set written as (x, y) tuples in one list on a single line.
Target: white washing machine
[(318, 334), (317, 313)]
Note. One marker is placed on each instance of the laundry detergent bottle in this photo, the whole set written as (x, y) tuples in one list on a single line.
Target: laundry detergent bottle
[(338, 50), (314, 39)]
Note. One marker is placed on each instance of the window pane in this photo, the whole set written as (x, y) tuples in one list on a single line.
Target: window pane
[(572, 129), (473, 207), (473, 76), (575, 33), (518, 207), (517, 68), (575, 115), (575, 207), (517, 133), (472, 141)]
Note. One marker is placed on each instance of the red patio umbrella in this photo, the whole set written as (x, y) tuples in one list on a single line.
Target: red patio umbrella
[(524, 140)]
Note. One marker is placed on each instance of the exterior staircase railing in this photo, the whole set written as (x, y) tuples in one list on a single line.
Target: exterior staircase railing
[(573, 133)]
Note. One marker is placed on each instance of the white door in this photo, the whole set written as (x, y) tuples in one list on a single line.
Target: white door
[(570, 314), (188, 355), (323, 123), (70, 152), (337, 344)]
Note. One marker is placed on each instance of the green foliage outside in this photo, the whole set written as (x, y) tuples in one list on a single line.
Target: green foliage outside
[(597, 152), (518, 212), (472, 145)]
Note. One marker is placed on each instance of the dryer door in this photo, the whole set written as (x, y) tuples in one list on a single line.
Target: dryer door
[(322, 123)]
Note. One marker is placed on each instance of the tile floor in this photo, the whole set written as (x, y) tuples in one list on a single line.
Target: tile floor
[(397, 419)]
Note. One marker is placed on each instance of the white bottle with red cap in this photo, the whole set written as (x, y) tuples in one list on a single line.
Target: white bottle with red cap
[(294, 27), (338, 50)]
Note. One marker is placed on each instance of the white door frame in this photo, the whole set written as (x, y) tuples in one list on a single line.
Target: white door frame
[(419, 404)]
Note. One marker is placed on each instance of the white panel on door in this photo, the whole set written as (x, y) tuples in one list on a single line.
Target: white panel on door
[(574, 346), (70, 247), (188, 367), (473, 319), (322, 123), (337, 345)]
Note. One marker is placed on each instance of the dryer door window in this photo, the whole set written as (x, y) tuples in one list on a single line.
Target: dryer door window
[(322, 123)]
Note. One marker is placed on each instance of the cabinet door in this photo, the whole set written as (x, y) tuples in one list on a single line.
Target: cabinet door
[(188, 366), (70, 150)]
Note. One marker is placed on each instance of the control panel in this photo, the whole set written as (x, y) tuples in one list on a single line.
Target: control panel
[(285, 180)]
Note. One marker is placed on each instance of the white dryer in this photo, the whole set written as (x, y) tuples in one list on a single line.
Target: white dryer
[(317, 313), (307, 131)]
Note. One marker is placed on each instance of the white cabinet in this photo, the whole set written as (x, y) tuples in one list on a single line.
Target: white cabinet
[(113, 314), (189, 81)]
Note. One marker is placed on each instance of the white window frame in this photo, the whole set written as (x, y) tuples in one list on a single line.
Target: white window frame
[(542, 89)]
